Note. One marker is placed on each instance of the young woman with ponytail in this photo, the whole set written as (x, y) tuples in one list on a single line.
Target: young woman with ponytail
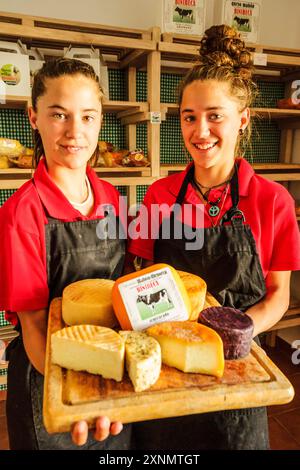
[(48, 240)]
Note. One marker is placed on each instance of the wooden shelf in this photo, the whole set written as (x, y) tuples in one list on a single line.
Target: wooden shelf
[(15, 172), (183, 49), (274, 113), (121, 108), (115, 179), (272, 171), (10, 101), (129, 46)]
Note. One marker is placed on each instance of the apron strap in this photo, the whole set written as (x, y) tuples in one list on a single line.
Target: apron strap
[(234, 214), (187, 179)]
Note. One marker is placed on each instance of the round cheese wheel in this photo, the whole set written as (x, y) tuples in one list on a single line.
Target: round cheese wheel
[(196, 289), (89, 302), (234, 327)]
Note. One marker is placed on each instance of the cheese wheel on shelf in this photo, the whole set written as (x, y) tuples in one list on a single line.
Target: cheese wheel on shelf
[(89, 302), (90, 348)]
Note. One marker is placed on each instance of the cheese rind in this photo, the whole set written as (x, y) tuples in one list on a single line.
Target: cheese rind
[(196, 289), (210, 301), (90, 348), (189, 348), (142, 358), (89, 302)]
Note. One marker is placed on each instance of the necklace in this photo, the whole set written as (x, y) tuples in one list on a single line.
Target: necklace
[(214, 223), (212, 187), (88, 198), (214, 209)]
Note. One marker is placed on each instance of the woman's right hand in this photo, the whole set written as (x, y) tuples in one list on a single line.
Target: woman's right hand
[(103, 429)]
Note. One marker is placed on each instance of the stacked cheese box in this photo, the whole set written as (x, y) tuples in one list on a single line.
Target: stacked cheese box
[(145, 319)]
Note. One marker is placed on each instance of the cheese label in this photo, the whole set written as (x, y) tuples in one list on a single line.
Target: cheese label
[(153, 298)]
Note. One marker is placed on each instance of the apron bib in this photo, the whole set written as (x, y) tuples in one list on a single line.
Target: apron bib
[(229, 263), (74, 252)]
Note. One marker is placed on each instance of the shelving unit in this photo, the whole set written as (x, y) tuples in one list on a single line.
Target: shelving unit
[(123, 49), (132, 50)]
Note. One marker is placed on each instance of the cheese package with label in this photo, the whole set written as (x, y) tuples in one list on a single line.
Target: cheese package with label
[(89, 302), (90, 348), (189, 348), (142, 359), (149, 296)]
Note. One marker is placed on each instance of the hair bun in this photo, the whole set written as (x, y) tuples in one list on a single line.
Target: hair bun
[(222, 46)]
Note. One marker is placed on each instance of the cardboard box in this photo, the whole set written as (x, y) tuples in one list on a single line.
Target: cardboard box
[(36, 61), (184, 16), (94, 58), (14, 70), (243, 15)]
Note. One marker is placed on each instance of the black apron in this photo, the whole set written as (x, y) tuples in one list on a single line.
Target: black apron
[(74, 252), (229, 263)]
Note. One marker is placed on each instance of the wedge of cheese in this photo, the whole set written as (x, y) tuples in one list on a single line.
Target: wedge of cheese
[(189, 348), (90, 348), (89, 302), (142, 359)]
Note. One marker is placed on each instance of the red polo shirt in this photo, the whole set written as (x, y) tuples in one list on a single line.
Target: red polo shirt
[(23, 273), (268, 207)]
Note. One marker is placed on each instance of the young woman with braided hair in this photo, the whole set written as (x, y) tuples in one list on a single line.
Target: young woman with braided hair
[(251, 237)]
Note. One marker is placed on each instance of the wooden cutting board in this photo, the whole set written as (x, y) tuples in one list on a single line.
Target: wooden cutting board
[(70, 396)]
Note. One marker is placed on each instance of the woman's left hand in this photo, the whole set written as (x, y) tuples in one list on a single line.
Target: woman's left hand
[(103, 429)]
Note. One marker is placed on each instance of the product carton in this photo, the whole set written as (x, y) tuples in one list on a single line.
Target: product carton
[(94, 58), (14, 70), (243, 15)]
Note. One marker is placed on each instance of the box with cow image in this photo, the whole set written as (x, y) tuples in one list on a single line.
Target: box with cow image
[(242, 15), (184, 16), (151, 295)]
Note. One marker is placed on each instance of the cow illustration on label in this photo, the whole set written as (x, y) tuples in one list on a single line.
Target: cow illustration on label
[(154, 303)]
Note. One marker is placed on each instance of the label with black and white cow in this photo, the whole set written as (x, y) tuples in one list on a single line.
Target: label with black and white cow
[(184, 16), (244, 16), (153, 298)]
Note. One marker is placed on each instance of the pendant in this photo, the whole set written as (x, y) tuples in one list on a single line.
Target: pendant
[(213, 211)]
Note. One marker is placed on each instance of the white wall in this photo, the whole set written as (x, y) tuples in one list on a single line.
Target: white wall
[(279, 25), (127, 13)]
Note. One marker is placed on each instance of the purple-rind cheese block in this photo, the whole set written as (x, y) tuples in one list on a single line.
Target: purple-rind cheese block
[(234, 327)]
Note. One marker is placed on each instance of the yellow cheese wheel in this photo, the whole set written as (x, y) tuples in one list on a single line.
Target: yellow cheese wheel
[(89, 302), (189, 348), (210, 301), (196, 289)]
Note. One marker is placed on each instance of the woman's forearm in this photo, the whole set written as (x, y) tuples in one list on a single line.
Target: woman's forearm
[(270, 310), (34, 333)]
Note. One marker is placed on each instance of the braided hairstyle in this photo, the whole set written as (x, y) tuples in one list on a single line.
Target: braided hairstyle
[(54, 69), (224, 57)]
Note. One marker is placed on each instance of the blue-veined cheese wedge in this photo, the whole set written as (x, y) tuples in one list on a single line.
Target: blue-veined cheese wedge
[(142, 359)]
